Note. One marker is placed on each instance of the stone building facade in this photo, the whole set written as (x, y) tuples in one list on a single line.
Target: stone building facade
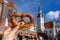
[(6, 10)]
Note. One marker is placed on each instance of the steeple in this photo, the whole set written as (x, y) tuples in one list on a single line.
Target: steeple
[(39, 11), (10, 3), (1, 1), (39, 8)]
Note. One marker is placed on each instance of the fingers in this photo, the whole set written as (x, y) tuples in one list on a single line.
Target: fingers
[(7, 31), (9, 34), (14, 30)]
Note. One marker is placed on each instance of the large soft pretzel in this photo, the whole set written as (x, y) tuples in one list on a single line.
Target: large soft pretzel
[(22, 16)]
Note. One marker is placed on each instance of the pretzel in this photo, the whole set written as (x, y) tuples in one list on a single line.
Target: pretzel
[(22, 23)]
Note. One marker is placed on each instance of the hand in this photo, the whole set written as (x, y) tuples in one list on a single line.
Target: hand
[(9, 34)]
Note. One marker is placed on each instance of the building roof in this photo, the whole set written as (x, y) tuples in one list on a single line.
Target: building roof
[(1, 1), (48, 24)]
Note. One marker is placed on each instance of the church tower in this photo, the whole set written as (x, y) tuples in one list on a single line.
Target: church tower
[(40, 21)]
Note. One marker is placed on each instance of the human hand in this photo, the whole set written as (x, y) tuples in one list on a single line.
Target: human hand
[(9, 34)]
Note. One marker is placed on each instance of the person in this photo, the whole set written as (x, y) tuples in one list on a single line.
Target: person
[(9, 33)]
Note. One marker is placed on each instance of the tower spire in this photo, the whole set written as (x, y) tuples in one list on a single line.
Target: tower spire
[(39, 11), (39, 8)]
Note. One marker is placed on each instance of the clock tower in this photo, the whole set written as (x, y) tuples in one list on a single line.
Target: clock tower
[(40, 21)]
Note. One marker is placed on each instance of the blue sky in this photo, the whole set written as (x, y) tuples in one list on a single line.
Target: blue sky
[(31, 6)]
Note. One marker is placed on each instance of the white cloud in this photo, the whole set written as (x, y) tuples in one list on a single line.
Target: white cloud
[(6, 1), (52, 14)]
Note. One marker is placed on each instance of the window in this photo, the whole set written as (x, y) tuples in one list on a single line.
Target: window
[(9, 12)]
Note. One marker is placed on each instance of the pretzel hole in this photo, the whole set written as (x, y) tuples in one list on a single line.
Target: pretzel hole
[(27, 19), (18, 19)]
